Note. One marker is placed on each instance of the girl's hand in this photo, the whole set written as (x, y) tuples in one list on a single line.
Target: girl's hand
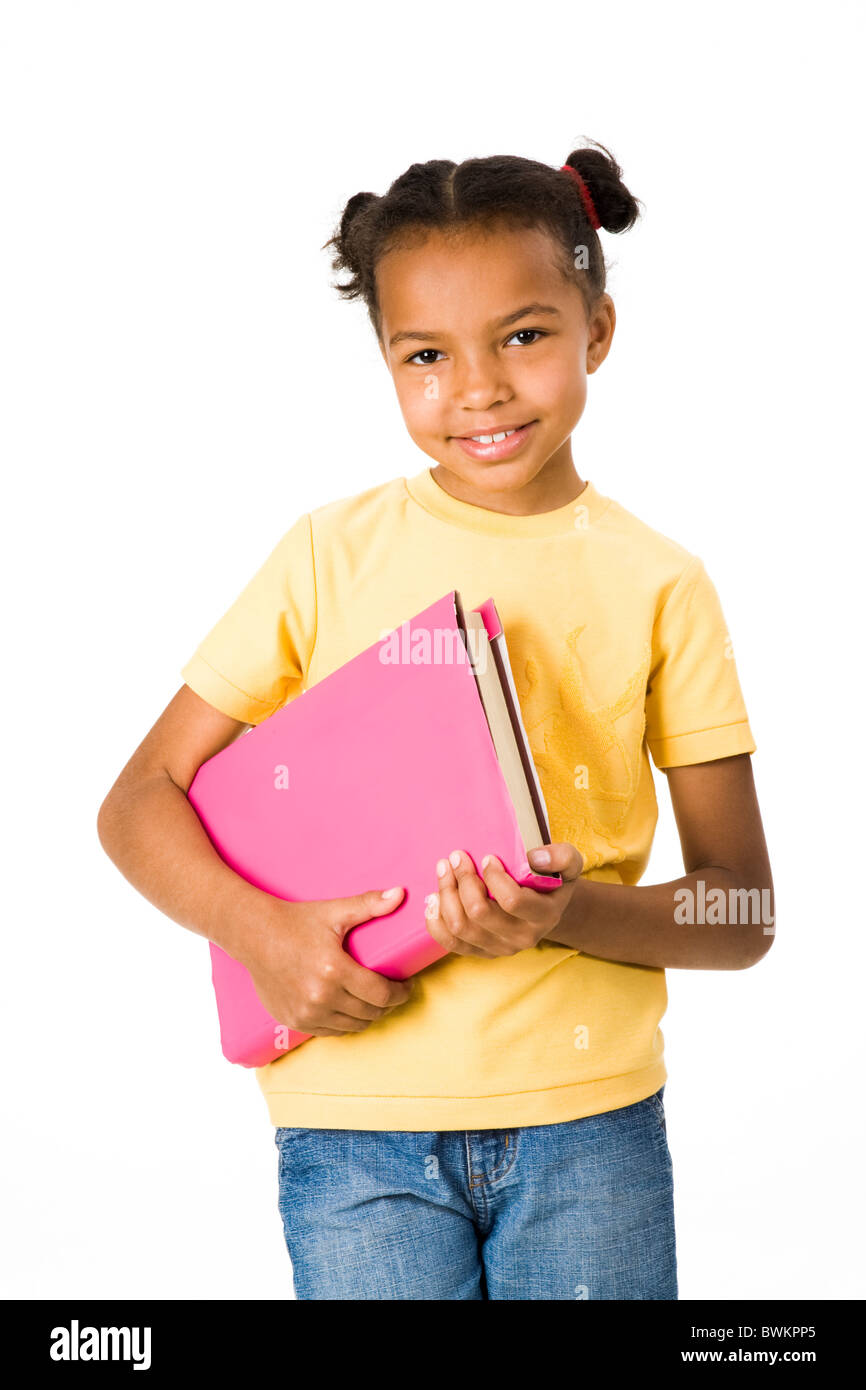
[(303, 975), (463, 919)]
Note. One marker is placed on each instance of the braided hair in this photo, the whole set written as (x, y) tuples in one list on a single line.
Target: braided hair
[(499, 190)]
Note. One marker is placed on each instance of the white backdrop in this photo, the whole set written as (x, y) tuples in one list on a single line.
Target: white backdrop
[(177, 375)]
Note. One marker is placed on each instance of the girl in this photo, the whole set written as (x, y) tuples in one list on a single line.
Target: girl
[(493, 1128)]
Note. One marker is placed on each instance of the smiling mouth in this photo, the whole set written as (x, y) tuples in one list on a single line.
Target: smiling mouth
[(494, 438)]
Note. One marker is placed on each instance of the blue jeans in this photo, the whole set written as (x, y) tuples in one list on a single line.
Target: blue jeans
[(582, 1209)]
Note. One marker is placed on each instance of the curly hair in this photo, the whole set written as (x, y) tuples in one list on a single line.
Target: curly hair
[(500, 190)]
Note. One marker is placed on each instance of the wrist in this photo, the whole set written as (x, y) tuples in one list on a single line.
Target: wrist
[(242, 918), (575, 917)]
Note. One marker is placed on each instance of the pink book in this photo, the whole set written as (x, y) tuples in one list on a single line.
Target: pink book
[(414, 747)]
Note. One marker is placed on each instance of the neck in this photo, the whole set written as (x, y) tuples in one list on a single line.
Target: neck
[(557, 484)]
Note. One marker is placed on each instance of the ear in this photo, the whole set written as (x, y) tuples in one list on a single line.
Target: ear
[(601, 331)]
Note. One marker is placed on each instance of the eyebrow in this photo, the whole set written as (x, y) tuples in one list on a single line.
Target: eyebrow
[(418, 335)]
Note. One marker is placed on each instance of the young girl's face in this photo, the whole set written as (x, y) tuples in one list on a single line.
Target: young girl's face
[(482, 334)]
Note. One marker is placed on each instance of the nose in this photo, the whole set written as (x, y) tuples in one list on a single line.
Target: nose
[(480, 383)]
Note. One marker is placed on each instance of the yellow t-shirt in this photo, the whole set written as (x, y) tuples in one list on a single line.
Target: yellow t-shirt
[(618, 646)]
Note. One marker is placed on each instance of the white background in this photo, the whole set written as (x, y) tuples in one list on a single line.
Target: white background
[(181, 382)]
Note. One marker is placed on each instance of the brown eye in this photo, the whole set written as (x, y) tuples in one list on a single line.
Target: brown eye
[(421, 354), (538, 332)]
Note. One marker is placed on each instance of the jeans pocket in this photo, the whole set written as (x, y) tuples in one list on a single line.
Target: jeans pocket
[(658, 1107), (283, 1133)]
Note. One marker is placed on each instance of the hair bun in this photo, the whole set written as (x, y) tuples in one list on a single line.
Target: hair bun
[(617, 208)]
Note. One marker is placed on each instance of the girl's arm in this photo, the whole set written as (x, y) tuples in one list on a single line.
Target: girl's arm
[(293, 950), (148, 828), (685, 924)]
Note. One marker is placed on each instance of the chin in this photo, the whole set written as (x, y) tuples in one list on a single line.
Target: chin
[(507, 476)]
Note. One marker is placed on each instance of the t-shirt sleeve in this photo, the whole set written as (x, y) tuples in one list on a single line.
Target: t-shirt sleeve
[(695, 710), (255, 659)]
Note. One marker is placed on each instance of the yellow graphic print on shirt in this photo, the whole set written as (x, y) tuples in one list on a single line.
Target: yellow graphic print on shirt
[(587, 766)]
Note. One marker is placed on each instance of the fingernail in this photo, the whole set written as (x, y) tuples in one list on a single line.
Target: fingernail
[(392, 892), (441, 867), (454, 858), (485, 861), (540, 856), (432, 905)]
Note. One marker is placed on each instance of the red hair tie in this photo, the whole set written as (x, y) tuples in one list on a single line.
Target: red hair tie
[(584, 193)]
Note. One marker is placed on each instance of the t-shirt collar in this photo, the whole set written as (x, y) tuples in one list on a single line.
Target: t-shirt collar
[(572, 518)]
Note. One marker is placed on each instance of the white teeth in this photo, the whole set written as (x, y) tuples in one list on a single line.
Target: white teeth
[(492, 438)]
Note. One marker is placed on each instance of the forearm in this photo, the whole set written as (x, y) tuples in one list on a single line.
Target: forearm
[(645, 925), (151, 832)]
